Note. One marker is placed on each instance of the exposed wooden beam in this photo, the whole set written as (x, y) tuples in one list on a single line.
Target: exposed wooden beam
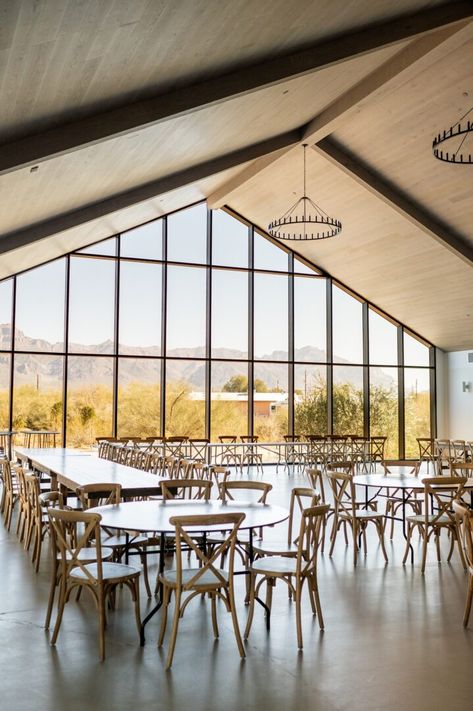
[(103, 126), (148, 191), (395, 198), (327, 121)]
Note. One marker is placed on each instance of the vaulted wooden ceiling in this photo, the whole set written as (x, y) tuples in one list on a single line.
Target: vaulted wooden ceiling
[(113, 113)]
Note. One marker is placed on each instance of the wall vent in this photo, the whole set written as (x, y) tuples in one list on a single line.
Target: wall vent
[(470, 357)]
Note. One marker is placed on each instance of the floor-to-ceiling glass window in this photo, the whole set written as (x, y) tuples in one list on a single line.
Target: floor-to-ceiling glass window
[(198, 324)]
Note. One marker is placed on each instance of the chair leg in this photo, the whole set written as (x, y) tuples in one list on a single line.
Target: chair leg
[(355, 542), (469, 598), (60, 609), (315, 591), (175, 625), (437, 545), (55, 581), (424, 550), (251, 607), (102, 622), (144, 563), (136, 600), (213, 600), (379, 528), (236, 627), (408, 543), (299, 613), (164, 614)]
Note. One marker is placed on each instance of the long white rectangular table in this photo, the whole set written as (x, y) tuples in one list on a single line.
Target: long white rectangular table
[(72, 468)]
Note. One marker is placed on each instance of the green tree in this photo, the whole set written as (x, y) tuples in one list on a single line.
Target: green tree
[(236, 384)]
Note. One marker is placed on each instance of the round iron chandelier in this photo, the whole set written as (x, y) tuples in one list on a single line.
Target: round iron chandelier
[(454, 145), (304, 220)]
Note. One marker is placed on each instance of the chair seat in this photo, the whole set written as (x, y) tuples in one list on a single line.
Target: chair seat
[(280, 547), (110, 572), (362, 515), (275, 564), (208, 579), (443, 520), (89, 554)]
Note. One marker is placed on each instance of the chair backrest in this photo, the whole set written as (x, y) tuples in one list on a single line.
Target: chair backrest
[(228, 488), (218, 473), (228, 439), (249, 438), (184, 469), (198, 449), (302, 497), (198, 470), (461, 468), (458, 449), (22, 485), (377, 448), (186, 489), (426, 447), (343, 491), (64, 527), (464, 517), (439, 494), (91, 495), (33, 491), (171, 467), (309, 538), (185, 540), (6, 474)]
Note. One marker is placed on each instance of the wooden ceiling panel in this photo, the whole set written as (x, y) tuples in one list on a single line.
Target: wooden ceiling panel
[(94, 173), (393, 133), (62, 59), (33, 254)]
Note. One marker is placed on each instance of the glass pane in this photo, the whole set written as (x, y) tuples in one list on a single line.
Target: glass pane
[(347, 401), (91, 305), (140, 308), (144, 242), (310, 319), (310, 399), (383, 340), (229, 314), (40, 299), (89, 399), (417, 407), (415, 353), (138, 397), (106, 248), (271, 317), (229, 399), (186, 301), (229, 240), (6, 296), (4, 392), (347, 328), (185, 398), (37, 394), (384, 408), (268, 255), (302, 268), (187, 235), (270, 401)]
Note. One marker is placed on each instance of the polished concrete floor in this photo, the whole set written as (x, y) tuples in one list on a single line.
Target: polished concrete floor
[(393, 639)]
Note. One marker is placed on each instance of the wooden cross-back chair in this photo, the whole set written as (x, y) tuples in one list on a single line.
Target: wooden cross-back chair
[(24, 509), (198, 449), (9, 492), (426, 450), (94, 495), (186, 489), (230, 455), (295, 571), (38, 522), (439, 494), (302, 497), (250, 455), (205, 578), (218, 473), (198, 470), (464, 516), (100, 577), (347, 511), (228, 486)]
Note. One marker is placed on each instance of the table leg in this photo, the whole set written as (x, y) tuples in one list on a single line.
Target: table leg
[(158, 590)]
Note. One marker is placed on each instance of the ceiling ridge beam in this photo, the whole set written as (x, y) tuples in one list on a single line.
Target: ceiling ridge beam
[(148, 191), (395, 198), (105, 125), (329, 118)]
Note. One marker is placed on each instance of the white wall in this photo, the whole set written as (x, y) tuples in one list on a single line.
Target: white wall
[(457, 416)]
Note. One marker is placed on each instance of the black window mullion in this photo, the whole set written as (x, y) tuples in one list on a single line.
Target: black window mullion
[(401, 398), (66, 349), (115, 348), (366, 372), (433, 393), (12, 354), (251, 340), (208, 335), (290, 413), (329, 359), (162, 408)]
